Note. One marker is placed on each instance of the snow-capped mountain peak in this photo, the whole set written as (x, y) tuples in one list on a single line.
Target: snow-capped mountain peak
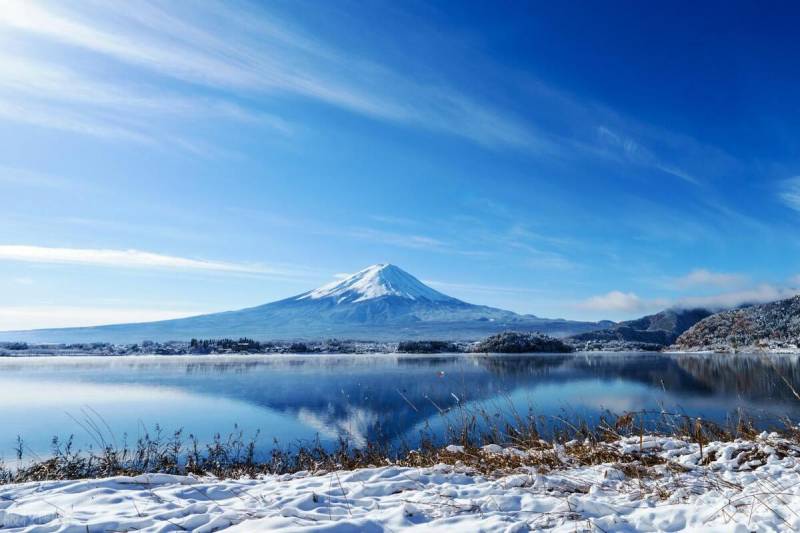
[(377, 281), (382, 302)]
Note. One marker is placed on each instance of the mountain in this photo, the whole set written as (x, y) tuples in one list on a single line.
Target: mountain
[(381, 302), (767, 327), (649, 332)]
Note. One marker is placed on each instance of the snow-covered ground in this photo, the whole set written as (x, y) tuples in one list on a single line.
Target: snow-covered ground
[(746, 486)]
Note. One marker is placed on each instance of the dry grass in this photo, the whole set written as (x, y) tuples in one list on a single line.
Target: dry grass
[(554, 447), (550, 444)]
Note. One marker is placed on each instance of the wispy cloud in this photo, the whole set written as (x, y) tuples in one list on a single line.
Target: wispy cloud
[(265, 56), (401, 239), (63, 120), (725, 215), (705, 278), (34, 317), (29, 77), (535, 249), (394, 220), (404, 240), (100, 126), (245, 51), (482, 289), (129, 259), (630, 304), (634, 152), (21, 176), (790, 193)]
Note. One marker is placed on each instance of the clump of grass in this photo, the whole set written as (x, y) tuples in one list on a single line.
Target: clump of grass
[(553, 443), (550, 443), (233, 456)]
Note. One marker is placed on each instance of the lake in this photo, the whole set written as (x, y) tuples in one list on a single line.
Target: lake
[(297, 398)]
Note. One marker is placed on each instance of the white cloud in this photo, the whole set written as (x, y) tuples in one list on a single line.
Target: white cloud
[(790, 193), (761, 294), (35, 317), (704, 278), (630, 304), (124, 259), (615, 301)]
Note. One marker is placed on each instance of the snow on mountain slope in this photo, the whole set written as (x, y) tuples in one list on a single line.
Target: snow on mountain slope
[(380, 303), (376, 281)]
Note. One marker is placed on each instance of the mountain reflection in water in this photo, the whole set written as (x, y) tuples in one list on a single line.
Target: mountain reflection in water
[(366, 397)]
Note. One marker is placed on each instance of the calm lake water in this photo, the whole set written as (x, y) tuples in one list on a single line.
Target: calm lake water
[(296, 398)]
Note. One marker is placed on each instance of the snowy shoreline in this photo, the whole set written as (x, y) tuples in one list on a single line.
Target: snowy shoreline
[(277, 356), (274, 356), (742, 485), (747, 351)]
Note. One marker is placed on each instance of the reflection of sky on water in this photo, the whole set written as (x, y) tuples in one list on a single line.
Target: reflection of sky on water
[(38, 410), (296, 398)]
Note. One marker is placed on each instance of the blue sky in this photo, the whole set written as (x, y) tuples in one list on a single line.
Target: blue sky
[(575, 160)]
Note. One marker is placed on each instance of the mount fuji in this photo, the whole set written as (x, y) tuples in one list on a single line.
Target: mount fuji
[(381, 302)]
